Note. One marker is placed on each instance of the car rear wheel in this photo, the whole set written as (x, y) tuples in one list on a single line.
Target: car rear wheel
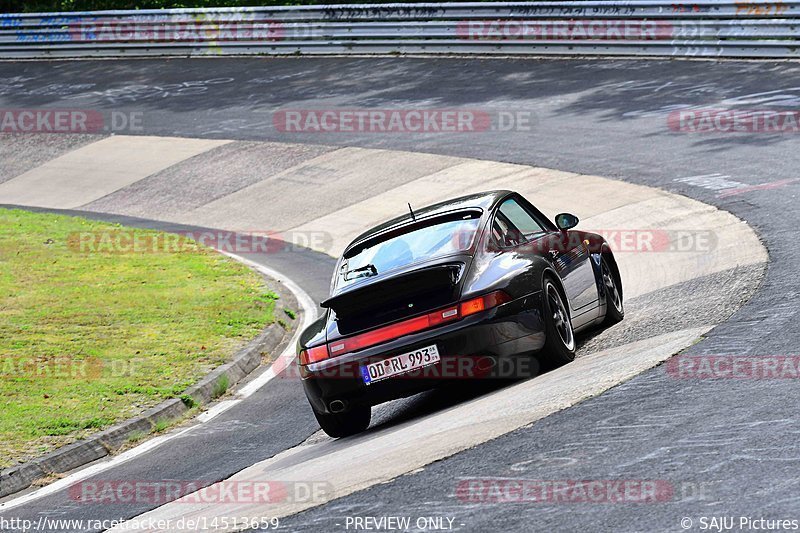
[(346, 423), (560, 343), (615, 311)]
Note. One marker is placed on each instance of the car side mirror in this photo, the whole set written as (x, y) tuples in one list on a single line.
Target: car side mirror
[(566, 221)]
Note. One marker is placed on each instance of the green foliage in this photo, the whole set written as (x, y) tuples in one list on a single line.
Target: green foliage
[(188, 401), (161, 425), (221, 386)]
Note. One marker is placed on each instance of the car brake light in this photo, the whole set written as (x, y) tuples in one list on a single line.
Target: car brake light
[(406, 327)]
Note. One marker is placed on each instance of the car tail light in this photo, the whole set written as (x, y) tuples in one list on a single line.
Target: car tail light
[(470, 307), (482, 303), (406, 327), (314, 355)]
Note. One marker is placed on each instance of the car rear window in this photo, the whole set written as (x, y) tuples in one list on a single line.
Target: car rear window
[(439, 237)]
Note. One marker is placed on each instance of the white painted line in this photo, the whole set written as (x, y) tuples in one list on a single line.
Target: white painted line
[(715, 174), (63, 483), (309, 309)]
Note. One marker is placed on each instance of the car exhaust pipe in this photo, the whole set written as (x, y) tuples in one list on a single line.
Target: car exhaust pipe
[(486, 363), (337, 406)]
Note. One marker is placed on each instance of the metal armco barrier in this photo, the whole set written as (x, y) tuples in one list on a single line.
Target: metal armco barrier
[(705, 28)]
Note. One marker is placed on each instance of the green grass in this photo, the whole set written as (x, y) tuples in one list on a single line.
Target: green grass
[(89, 339), (220, 387)]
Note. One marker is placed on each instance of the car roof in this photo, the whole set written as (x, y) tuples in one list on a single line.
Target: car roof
[(484, 200)]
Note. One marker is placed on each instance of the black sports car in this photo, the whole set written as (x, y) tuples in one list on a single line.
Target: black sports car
[(447, 292)]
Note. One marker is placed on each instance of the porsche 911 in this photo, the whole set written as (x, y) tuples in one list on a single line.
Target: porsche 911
[(446, 292)]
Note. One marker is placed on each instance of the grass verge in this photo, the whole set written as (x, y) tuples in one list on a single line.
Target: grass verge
[(89, 339)]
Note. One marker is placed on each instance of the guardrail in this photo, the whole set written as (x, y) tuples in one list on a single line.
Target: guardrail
[(704, 28)]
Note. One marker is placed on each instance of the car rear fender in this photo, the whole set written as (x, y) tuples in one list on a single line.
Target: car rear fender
[(314, 334)]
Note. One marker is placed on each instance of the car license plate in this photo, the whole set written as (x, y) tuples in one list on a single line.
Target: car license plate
[(400, 364)]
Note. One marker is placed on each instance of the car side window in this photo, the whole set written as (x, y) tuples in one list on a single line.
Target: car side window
[(513, 225), (504, 233)]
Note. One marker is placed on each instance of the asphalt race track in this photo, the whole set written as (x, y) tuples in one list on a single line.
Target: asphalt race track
[(726, 446)]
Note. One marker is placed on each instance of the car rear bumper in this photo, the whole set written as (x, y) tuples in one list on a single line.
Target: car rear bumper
[(469, 349)]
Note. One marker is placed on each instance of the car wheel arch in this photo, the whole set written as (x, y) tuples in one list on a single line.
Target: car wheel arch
[(550, 273)]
